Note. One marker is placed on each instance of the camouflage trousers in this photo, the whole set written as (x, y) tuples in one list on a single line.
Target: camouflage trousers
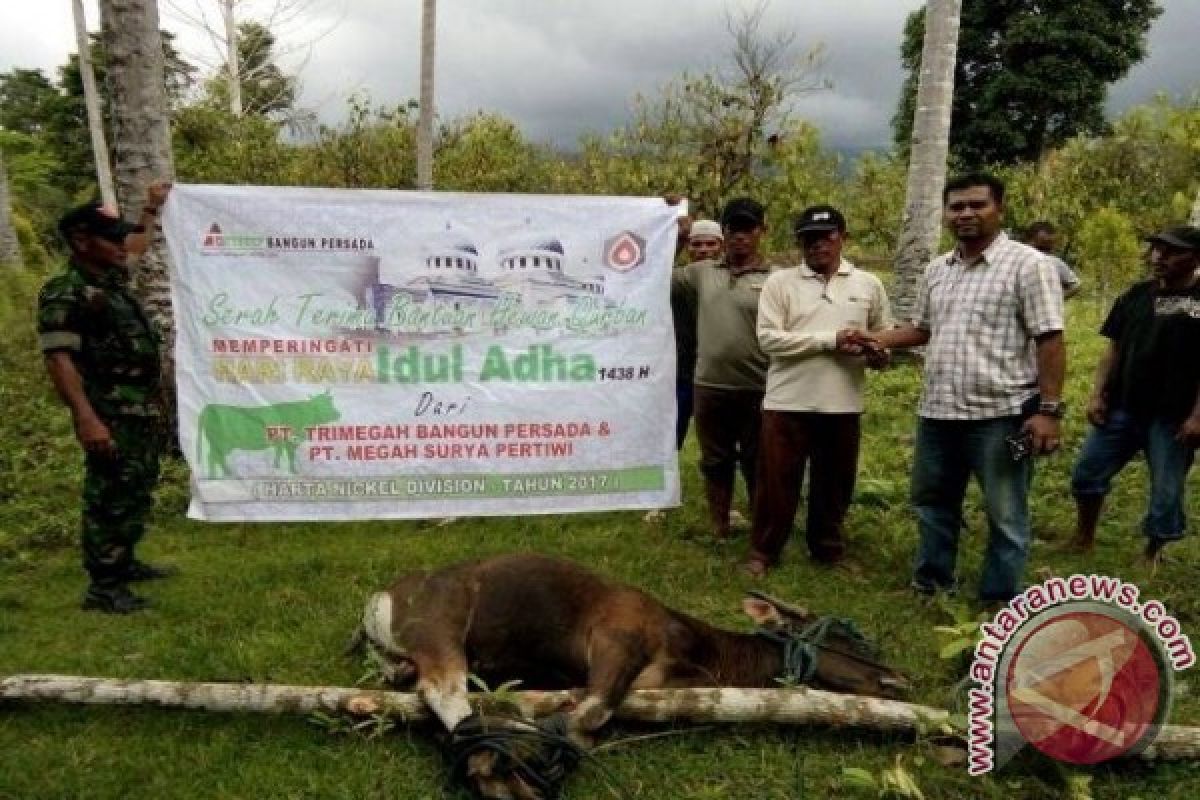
[(118, 492)]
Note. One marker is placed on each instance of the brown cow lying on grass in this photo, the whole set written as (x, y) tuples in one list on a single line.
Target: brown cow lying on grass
[(552, 624)]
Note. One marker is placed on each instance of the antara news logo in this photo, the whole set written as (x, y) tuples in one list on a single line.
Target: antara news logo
[(1078, 667), (217, 241)]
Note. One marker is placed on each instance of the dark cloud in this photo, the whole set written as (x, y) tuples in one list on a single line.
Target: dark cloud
[(560, 69), (1171, 65)]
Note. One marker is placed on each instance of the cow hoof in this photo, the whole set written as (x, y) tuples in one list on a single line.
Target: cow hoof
[(481, 765)]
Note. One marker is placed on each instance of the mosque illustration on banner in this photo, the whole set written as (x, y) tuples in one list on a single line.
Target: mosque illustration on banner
[(526, 271)]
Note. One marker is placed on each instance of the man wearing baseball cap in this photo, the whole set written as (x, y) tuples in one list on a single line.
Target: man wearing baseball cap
[(814, 395), (1146, 396), (102, 354), (731, 368)]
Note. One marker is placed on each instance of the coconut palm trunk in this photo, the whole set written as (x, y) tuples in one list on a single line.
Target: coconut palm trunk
[(10, 250), (785, 706), (232, 58), (425, 120), (91, 97), (142, 146), (142, 135), (929, 151)]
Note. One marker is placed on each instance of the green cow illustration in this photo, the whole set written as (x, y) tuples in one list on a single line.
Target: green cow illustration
[(279, 427)]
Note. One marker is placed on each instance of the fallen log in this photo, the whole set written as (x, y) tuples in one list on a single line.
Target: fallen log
[(785, 706)]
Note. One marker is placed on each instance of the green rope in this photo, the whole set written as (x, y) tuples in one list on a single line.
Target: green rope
[(802, 650), (542, 755), (799, 656)]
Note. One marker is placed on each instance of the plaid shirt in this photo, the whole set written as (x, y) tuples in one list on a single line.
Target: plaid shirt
[(981, 361)]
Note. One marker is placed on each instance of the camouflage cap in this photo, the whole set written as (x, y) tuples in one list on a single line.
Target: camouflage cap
[(95, 219)]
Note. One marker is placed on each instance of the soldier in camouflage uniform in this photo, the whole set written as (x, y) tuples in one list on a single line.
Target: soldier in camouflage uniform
[(102, 354)]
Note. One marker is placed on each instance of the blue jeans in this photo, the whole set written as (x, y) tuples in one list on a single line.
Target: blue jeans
[(1108, 449), (948, 452)]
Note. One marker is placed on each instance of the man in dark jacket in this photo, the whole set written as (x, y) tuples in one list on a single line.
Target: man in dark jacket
[(1146, 395)]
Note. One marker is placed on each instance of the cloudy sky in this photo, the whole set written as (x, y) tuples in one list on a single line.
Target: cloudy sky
[(560, 68)]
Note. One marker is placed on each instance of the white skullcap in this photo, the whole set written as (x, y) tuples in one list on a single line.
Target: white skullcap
[(705, 227)]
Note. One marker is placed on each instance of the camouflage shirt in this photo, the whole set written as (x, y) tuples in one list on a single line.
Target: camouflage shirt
[(96, 319)]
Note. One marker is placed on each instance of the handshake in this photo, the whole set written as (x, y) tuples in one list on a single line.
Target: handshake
[(853, 342)]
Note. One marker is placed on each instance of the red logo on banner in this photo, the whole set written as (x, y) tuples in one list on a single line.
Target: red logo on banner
[(624, 251), (214, 238)]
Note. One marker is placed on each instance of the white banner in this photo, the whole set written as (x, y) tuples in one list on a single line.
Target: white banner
[(348, 354)]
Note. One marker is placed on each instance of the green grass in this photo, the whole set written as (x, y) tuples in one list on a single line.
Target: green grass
[(276, 602)]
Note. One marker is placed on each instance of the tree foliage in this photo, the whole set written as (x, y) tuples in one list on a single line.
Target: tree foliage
[(1031, 74), (1108, 251), (266, 90), (709, 136), (488, 153), (57, 153), (1148, 168), (720, 133)]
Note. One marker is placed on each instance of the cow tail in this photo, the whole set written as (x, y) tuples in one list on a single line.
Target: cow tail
[(357, 645)]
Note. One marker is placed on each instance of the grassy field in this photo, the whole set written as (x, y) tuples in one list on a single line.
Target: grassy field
[(276, 603)]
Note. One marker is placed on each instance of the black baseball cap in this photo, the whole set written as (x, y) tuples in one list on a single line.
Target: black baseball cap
[(1182, 236), (819, 218), (744, 210), (95, 219)]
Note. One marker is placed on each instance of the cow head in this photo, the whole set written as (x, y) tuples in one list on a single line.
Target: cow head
[(376, 637), (846, 661)]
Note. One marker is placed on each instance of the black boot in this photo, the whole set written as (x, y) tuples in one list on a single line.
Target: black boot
[(141, 571), (112, 599)]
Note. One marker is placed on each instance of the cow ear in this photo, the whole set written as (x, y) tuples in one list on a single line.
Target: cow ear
[(784, 612), (760, 611)]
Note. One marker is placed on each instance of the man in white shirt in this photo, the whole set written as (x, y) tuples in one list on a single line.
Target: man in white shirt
[(1043, 237), (814, 395)]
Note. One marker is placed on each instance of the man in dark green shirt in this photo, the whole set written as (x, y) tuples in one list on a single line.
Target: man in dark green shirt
[(102, 354), (731, 368)]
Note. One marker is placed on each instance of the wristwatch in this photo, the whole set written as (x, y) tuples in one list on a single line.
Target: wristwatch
[(1052, 408)]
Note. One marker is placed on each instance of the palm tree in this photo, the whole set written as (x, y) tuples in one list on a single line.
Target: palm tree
[(92, 100), (232, 58), (141, 133), (425, 120), (1195, 218), (10, 250), (930, 148)]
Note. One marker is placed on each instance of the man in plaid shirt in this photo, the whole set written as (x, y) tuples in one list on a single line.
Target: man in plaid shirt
[(991, 313)]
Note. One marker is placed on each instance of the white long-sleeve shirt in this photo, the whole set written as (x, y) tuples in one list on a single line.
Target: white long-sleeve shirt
[(799, 315)]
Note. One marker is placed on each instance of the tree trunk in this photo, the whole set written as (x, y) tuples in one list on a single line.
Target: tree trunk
[(142, 136), (928, 153), (1195, 218), (232, 58), (104, 177), (10, 248), (425, 118), (800, 706)]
